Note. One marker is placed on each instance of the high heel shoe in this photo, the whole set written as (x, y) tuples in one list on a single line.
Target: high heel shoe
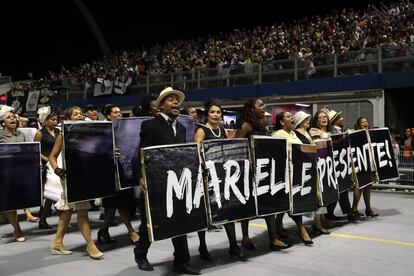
[(33, 219), (248, 245), (307, 242), (19, 238), (204, 254), (98, 255), (237, 252), (275, 247), (134, 237), (59, 250), (104, 237), (371, 214), (353, 217), (318, 231)]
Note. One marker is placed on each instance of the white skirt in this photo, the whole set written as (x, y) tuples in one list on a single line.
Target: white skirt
[(54, 191), (53, 188)]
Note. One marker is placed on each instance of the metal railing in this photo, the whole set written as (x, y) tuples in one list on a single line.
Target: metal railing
[(366, 61), (406, 169)]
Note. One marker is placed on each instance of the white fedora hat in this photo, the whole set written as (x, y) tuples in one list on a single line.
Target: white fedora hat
[(299, 117), (169, 91), (333, 115)]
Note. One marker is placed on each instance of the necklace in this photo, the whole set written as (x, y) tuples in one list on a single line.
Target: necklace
[(219, 132)]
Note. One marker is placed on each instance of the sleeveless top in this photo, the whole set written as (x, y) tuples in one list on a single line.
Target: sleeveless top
[(302, 137), (47, 141), (211, 134)]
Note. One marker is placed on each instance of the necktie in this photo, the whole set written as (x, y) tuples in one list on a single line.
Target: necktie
[(170, 122)]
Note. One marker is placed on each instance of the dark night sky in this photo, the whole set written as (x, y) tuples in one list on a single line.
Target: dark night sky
[(40, 35)]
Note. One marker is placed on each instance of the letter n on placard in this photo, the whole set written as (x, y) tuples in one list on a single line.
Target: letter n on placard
[(362, 163)]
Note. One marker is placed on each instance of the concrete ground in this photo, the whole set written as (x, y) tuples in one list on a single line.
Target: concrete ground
[(373, 246)]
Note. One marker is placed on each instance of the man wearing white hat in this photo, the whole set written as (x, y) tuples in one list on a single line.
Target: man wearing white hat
[(163, 130), (336, 120)]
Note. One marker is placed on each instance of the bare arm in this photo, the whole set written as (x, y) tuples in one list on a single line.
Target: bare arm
[(199, 136), (244, 130), (55, 152)]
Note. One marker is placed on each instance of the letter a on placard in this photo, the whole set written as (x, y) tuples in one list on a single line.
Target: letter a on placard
[(199, 192)]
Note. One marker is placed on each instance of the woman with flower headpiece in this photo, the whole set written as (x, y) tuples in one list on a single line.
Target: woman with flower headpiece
[(9, 134), (46, 136)]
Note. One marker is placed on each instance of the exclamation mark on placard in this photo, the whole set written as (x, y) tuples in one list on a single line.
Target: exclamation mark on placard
[(387, 149)]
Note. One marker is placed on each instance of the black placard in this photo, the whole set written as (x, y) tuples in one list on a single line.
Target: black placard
[(304, 179), (342, 159), (383, 154), (20, 183), (175, 199), (88, 160), (327, 183), (230, 189), (127, 139), (361, 158), (271, 177)]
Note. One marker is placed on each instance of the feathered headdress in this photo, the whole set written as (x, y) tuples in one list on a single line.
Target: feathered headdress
[(43, 113), (4, 109)]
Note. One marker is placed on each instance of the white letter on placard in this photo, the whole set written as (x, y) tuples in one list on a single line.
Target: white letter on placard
[(199, 191), (246, 179), (231, 180), (214, 182), (387, 148), (330, 169), (179, 187), (321, 170), (261, 163), (344, 163), (305, 178), (381, 153), (354, 159), (336, 163), (362, 157), (275, 187), (350, 160)]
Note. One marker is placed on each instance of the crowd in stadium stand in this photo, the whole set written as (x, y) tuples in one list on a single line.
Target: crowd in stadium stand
[(338, 32)]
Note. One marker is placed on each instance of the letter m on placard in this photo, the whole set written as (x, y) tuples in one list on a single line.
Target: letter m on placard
[(180, 188)]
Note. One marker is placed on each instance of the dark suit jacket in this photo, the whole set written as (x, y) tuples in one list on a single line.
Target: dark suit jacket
[(156, 132)]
